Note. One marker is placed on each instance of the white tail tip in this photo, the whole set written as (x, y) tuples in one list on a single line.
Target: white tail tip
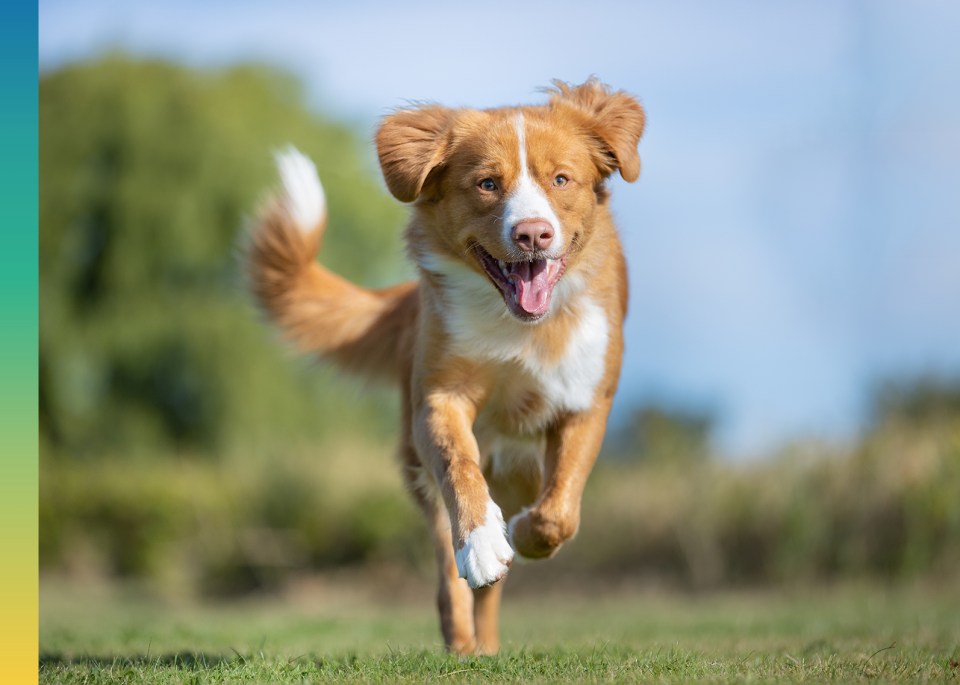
[(304, 199)]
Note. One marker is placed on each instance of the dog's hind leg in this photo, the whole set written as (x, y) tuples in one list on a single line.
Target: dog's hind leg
[(454, 601), (511, 490), (486, 615)]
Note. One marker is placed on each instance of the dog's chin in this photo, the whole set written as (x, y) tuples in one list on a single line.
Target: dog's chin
[(527, 285)]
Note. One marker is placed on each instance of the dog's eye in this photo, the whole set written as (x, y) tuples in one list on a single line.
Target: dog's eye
[(560, 181), (488, 184)]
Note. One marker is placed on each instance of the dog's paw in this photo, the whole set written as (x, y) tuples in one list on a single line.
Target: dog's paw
[(486, 555), (535, 535), (511, 525)]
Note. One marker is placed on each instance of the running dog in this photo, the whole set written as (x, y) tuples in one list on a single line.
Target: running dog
[(507, 349)]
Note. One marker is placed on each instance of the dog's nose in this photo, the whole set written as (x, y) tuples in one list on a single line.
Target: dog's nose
[(531, 235)]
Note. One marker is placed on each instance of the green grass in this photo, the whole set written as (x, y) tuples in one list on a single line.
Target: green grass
[(850, 634)]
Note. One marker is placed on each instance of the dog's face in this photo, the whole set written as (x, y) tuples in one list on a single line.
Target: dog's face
[(512, 192)]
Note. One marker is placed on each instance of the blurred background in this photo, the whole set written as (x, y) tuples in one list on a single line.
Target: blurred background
[(790, 403)]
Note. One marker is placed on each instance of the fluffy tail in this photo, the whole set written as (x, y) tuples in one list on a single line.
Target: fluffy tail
[(364, 331)]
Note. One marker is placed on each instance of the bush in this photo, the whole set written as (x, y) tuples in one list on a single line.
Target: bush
[(887, 509), (147, 341), (227, 527)]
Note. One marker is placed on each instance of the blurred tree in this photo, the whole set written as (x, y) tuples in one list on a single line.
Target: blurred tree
[(147, 342), (661, 434), (917, 401)]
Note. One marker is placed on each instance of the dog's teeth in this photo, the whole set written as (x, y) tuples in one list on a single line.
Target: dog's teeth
[(503, 268)]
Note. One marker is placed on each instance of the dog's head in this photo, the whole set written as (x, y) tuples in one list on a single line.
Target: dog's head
[(512, 192)]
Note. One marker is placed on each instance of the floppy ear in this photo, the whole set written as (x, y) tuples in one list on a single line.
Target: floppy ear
[(411, 143), (615, 119)]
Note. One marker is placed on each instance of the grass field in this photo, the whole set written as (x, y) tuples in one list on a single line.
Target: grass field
[(348, 633)]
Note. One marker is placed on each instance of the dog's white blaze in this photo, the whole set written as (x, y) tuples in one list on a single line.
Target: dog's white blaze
[(527, 200), (304, 196), (481, 328), (486, 555)]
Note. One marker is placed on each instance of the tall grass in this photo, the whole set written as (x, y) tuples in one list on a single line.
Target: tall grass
[(888, 508)]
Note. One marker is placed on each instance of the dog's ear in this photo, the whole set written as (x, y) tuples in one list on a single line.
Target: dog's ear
[(614, 119), (411, 143)]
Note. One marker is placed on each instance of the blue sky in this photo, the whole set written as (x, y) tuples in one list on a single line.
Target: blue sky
[(795, 233)]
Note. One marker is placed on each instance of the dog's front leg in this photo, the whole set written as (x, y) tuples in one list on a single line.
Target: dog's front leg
[(572, 448), (444, 438)]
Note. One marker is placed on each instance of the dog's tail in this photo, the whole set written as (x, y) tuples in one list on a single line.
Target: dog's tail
[(364, 331)]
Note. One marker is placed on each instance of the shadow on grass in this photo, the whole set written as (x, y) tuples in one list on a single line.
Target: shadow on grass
[(185, 660)]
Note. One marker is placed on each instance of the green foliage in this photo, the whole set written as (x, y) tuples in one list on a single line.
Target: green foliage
[(656, 433), (147, 342), (924, 401), (888, 508), (223, 528)]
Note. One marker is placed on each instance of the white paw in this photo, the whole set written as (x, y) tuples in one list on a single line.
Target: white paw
[(305, 199), (486, 555)]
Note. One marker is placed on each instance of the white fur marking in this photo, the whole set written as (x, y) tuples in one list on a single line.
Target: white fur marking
[(528, 201), (570, 384), (486, 555), (474, 309), (305, 199), (483, 329)]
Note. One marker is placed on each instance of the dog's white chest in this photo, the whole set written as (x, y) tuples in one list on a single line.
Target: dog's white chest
[(529, 393), (532, 381), (569, 382)]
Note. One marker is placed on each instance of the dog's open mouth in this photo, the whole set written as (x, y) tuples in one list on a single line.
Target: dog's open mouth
[(526, 286)]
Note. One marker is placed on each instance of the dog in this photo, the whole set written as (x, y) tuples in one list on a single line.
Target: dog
[(507, 349)]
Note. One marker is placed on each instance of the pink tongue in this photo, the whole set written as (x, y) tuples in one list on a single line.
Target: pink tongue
[(533, 286)]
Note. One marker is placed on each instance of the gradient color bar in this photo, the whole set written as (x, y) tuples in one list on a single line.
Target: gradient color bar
[(18, 342)]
